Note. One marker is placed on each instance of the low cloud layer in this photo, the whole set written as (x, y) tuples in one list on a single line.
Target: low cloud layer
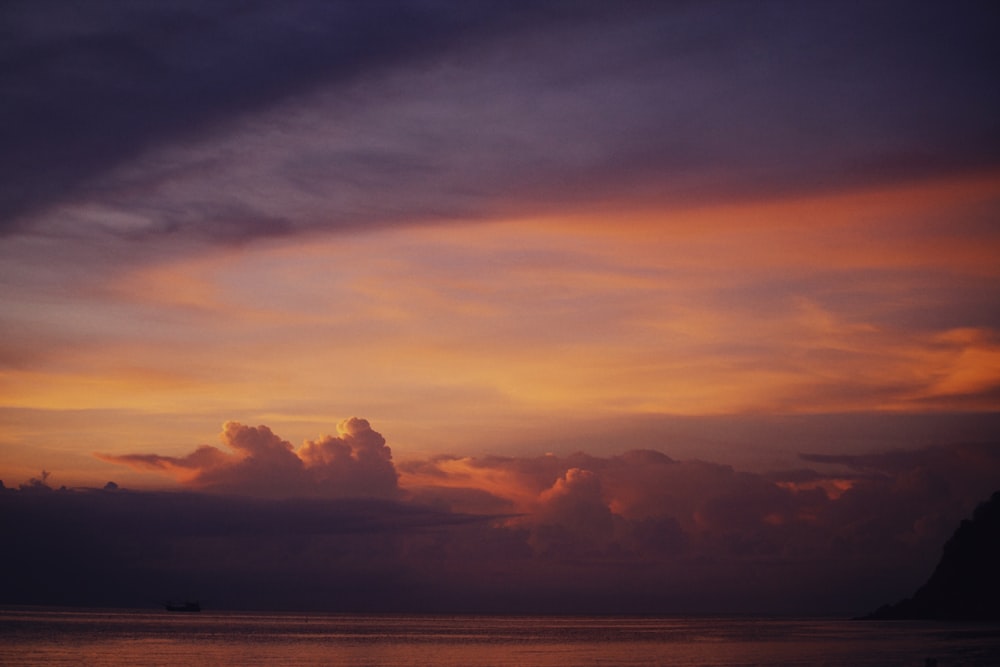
[(848, 510), (639, 531)]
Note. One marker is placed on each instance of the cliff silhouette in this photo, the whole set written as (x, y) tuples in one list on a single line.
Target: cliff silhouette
[(965, 584)]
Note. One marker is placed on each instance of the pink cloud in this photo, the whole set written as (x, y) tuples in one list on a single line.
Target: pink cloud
[(648, 505), (354, 463), (703, 530), (572, 515)]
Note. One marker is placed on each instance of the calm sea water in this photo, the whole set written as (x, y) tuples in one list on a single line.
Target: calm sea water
[(130, 637)]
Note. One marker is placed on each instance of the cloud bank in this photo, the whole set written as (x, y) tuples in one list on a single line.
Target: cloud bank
[(328, 527)]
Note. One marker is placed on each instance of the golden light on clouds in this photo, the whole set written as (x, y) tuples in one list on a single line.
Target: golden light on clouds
[(705, 297), (759, 307)]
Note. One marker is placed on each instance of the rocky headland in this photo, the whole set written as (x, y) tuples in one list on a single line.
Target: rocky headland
[(965, 584)]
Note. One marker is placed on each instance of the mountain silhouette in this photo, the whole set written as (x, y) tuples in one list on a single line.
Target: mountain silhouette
[(965, 584)]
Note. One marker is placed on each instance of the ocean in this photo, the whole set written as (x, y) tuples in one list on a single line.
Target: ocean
[(111, 638)]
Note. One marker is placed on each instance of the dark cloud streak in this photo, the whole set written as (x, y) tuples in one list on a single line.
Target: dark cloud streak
[(540, 101), (90, 86)]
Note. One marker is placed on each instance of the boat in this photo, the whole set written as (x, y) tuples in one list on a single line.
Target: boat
[(182, 606)]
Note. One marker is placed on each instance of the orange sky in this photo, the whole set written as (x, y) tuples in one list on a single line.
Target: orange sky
[(693, 302), (453, 335), (537, 228)]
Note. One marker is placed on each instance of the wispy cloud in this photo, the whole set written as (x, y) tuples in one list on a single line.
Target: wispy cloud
[(778, 307), (94, 87), (229, 122)]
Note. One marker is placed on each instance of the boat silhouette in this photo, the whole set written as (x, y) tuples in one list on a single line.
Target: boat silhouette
[(182, 606)]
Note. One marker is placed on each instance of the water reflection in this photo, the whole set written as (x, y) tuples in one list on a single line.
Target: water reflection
[(113, 638)]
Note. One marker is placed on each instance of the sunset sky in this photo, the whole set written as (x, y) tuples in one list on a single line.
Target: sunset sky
[(577, 291)]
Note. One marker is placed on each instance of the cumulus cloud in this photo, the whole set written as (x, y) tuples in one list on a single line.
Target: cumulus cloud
[(354, 463), (641, 502), (634, 531), (875, 521), (645, 502), (572, 515)]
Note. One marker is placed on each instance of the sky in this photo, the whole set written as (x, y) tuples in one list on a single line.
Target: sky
[(560, 306)]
